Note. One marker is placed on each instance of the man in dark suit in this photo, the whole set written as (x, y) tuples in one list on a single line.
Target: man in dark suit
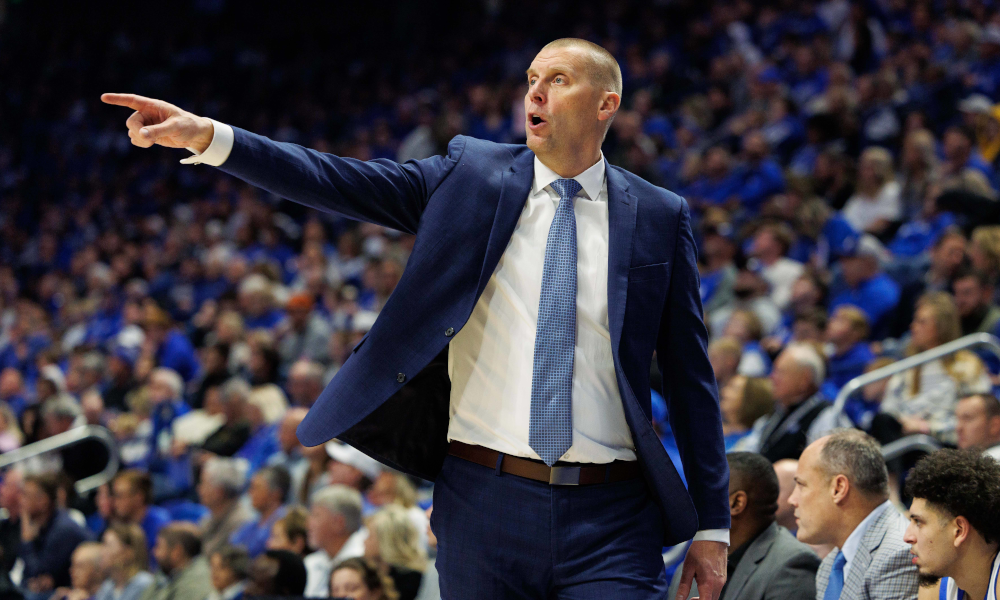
[(513, 357), (766, 562), (798, 374)]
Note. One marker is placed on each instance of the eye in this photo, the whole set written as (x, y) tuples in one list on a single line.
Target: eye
[(559, 80)]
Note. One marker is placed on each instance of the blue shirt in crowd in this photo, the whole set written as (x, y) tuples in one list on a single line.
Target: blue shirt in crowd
[(845, 367), (177, 353), (876, 297), (253, 536)]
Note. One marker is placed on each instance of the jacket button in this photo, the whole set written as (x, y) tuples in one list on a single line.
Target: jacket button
[(401, 377), (449, 332)]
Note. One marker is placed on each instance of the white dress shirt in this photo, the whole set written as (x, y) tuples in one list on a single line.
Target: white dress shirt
[(490, 360), (319, 563)]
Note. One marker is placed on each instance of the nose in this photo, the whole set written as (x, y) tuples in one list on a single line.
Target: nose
[(536, 93)]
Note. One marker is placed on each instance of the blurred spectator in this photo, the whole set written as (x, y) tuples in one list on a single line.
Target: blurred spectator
[(977, 424), (359, 579), (770, 246), (166, 346), (744, 327), (304, 334), (866, 286), (974, 293), (765, 561), (394, 487), (120, 378), (923, 399), (876, 205), (166, 390), (751, 293), (277, 573), (351, 467), (960, 154), (132, 493), (86, 571), (185, 572), (264, 409), (743, 400), (268, 490), (12, 392), (335, 531), (393, 544), (11, 490), (798, 374), (846, 333), (718, 250), (784, 469), (230, 567), (291, 532), (289, 453), (126, 563), (918, 170), (11, 437), (222, 483), (841, 497), (984, 251), (235, 431), (305, 383), (725, 354), (48, 536), (946, 258), (215, 372)]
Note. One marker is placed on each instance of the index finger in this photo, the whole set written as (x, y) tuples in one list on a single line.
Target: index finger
[(133, 101)]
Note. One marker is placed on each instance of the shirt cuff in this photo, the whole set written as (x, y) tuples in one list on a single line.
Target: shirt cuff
[(218, 151), (712, 535)]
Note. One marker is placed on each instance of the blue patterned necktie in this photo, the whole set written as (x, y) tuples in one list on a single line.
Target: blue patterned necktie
[(550, 431), (836, 584)]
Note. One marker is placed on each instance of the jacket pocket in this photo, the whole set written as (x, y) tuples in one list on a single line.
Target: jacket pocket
[(648, 272)]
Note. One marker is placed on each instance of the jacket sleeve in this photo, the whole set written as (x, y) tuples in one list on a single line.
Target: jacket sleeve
[(379, 191), (689, 386), (794, 580)]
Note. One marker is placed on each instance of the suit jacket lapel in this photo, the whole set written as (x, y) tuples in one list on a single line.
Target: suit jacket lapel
[(872, 539), (513, 194), (622, 208), (751, 560)]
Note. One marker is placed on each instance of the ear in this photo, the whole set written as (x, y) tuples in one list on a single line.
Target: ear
[(994, 427), (610, 102), (737, 503), (962, 529), (840, 488)]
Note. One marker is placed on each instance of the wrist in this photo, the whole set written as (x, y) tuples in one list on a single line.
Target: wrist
[(206, 133)]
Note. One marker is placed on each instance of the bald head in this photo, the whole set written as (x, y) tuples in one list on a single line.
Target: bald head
[(600, 66)]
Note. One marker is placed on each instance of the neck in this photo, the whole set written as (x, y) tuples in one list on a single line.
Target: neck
[(567, 166), (123, 576), (852, 517), (334, 544), (741, 533), (974, 568)]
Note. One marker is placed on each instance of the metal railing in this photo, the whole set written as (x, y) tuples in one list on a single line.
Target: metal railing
[(912, 443), (985, 340), (69, 438)]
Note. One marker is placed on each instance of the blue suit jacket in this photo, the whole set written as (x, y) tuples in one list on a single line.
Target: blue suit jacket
[(391, 397)]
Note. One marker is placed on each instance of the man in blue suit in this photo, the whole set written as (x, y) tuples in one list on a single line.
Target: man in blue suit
[(511, 365)]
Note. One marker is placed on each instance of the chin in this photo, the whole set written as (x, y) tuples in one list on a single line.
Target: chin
[(927, 580)]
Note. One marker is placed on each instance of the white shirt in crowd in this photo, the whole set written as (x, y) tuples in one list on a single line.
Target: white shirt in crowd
[(861, 211), (319, 563), (490, 360), (781, 276)]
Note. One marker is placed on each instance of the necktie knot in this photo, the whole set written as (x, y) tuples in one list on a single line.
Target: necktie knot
[(566, 188)]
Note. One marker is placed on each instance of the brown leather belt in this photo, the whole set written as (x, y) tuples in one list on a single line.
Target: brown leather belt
[(560, 474)]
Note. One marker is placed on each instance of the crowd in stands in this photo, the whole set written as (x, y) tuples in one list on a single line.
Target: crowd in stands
[(842, 162)]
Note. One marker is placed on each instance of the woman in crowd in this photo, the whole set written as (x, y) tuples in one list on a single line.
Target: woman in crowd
[(230, 567), (291, 532), (743, 400), (393, 544), (359, 579), (984, 250), (126, 560), (745, 326), (923, 399), (875, 205)]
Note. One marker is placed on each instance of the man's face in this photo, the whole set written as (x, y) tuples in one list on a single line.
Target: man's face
[(968, 295), (562, 105), (812, 498), (973, 426), (931, 536), (260, 493), (162, 551), (322, 525), (35, 502), (126, 501), (838, 329), (84, 569), (789, 380), (948, 254)]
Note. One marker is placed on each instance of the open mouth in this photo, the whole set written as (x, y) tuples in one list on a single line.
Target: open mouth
[(535, 121)]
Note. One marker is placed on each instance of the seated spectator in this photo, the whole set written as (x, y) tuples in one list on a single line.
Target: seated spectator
[(918, 235), (863, 409), (215, 372), (230, 567), (393, 544), (784, 470), (268, 490), (923, 399), (305, 383), (264, 406), (809, 326), (166, 346), (760, 176), (841, 497), (120, 380), (876, 204), (132, 494), (166, 388), (303, 334), (946, 258), (335, 531), (256, 298), (954, 531), (977, 424), (11, 437), (126, 562), (960, 155), (289, 453), (291, 532), (11, 491), (222, 483), (235, 430), (277, 573), (716, 184), (867, 287), (718, 249), (765, 561), (12, 392), (973, 292), (743, 400), (745, 327), (918, 165), (725, 353), (394, 487), (846, 333), (86, 572), (984, 251), (351, 467), (359, 579), (770, 246), (48, 536), (751, 292), (798, 374), (185, 570)]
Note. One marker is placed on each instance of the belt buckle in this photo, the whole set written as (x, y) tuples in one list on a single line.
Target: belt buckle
[(564, 476)]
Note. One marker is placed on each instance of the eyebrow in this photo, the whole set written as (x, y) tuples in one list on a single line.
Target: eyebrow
[(558, 69)]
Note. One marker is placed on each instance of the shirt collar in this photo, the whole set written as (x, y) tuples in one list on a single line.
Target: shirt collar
[(591, 180), (853, 542)]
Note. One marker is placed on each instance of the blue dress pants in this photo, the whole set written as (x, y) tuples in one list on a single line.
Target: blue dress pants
[(502, 536)]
